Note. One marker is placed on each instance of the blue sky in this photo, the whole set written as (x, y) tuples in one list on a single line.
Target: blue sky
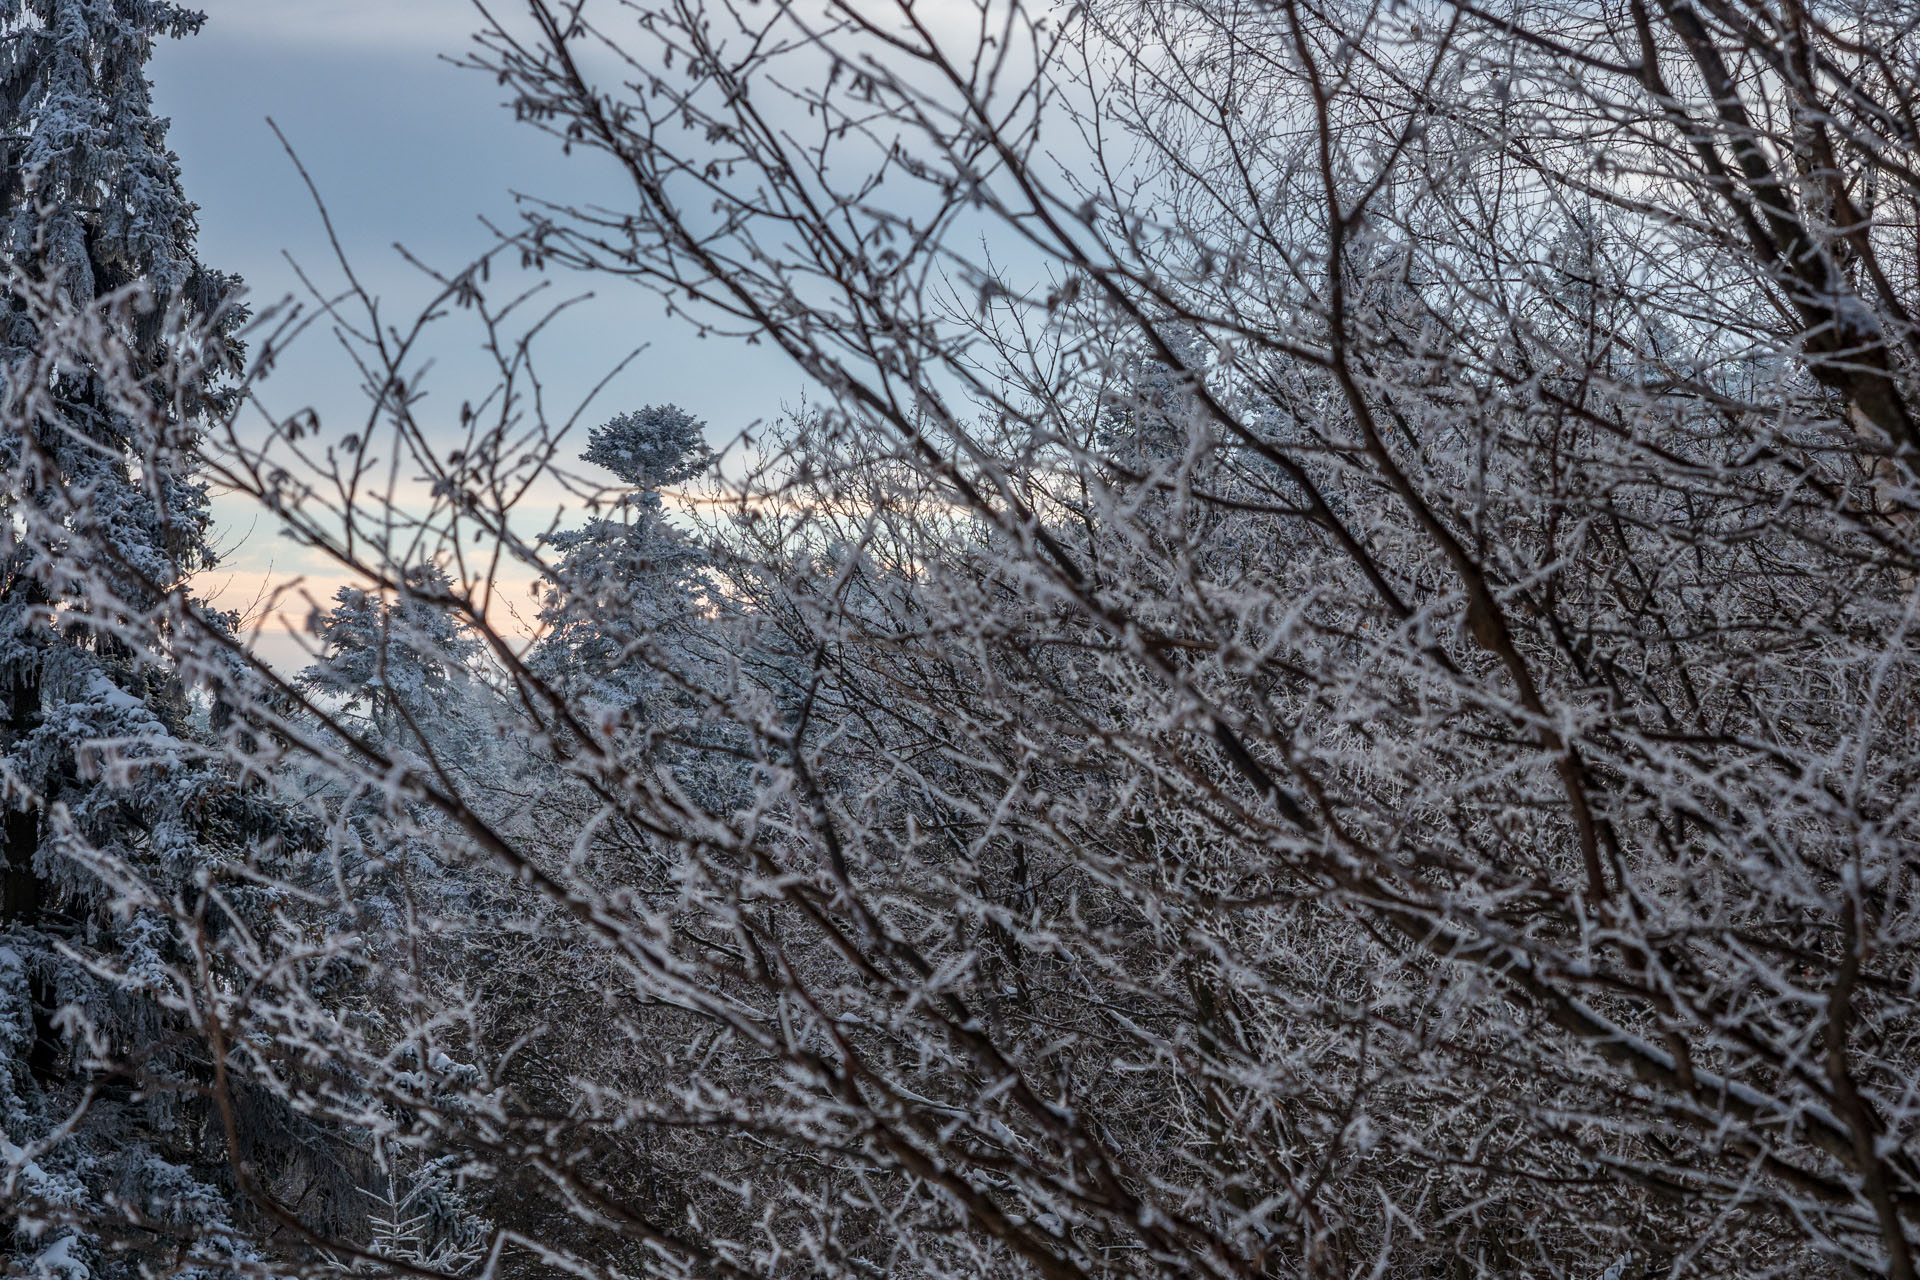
[(405, 148)]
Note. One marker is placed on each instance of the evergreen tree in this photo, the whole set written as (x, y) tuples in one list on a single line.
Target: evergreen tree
[(401, 663), (112, 1160), (627, 584), (401, 672)]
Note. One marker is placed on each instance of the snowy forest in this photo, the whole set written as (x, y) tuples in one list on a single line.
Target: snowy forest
[(1316, 675)]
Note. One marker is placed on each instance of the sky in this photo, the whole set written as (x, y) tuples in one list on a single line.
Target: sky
[(404, 148)]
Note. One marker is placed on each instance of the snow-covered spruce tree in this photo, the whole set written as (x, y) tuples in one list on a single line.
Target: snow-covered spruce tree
[(626, 581), (403, 665), (399, 670), (116, 820), (629, 614), (628, 617)]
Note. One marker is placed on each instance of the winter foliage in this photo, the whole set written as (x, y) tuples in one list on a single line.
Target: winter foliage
[(1325, 687)]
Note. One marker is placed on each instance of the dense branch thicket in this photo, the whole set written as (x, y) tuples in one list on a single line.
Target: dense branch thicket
[(1330, 690)]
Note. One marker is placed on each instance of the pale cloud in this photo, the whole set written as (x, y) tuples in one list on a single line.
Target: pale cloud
[(439, 25), (446, 25)]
